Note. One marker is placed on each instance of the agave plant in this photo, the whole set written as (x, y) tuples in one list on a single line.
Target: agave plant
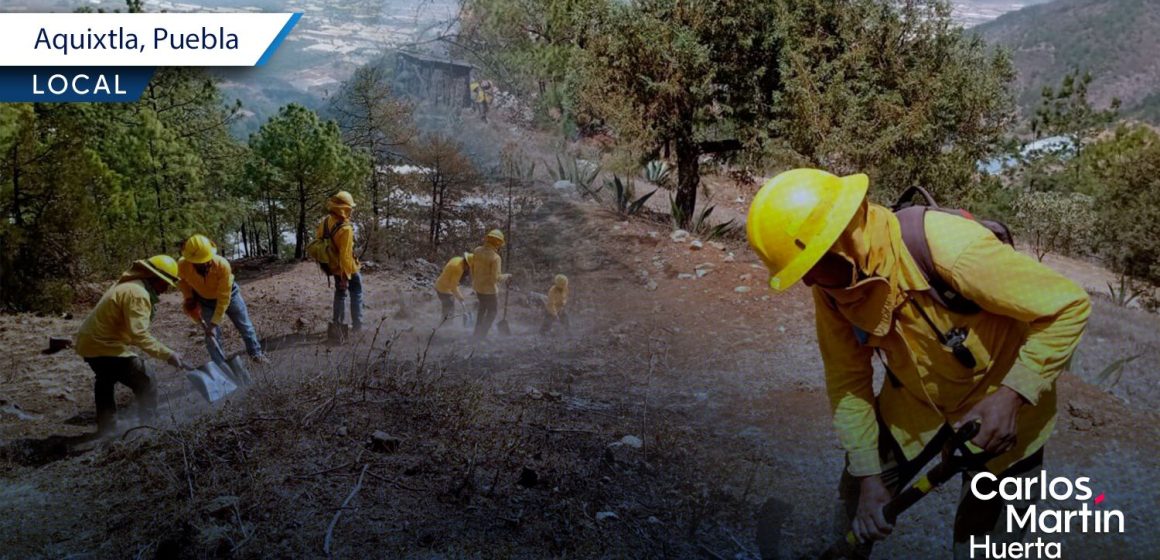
[(658, 173), (1110, 375), (1126, 293), (580, 173), (700, 225), (625, 202)]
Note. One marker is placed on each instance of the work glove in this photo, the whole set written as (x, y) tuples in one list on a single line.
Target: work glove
[(505, 277), (176, 361), (341, 282)]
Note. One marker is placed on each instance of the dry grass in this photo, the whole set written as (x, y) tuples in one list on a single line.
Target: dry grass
[(1115, 333), (481, 462)]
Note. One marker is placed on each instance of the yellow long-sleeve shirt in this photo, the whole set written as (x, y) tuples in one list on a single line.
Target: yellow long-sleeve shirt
[(216, 284), (342, 242), (486, 270), (557, 299), (448, 281), (1031, 321), (121, 319)]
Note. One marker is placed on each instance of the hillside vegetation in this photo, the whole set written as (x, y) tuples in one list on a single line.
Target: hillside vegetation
[(1115, 40)]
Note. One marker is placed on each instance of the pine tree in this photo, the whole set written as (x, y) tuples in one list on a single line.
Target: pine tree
[(308, 161)]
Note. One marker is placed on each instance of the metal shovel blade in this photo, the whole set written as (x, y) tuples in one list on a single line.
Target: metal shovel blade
[(233, 368), (211, 382), (237, 372)]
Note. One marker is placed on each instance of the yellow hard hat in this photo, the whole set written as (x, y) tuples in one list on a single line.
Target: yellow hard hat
[(342, 198), (467, 258), (163, 267), (496, 235), (561, 280), (797, 216), (198, 249)]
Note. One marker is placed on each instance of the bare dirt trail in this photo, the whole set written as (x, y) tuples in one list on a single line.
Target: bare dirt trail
[(517, 448)]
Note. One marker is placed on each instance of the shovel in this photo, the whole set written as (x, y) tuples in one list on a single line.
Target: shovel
[(959, 460), (216, 379), (468, 320), (503, 327), (211, 382)]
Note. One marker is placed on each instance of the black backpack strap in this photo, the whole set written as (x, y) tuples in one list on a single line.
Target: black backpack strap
[(912, 222), (904, 201), (327, 231)]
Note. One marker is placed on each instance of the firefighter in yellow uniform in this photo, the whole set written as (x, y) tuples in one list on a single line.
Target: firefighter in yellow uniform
[(211, 294), (486, 275), (481, 93), (343, 265), (121, 319), (554, 307), (871, 298), (447, 285)]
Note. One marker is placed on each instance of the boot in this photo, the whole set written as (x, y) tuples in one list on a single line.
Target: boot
[(336, 333)]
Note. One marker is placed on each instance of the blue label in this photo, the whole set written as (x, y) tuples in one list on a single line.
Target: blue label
[(70, 85)]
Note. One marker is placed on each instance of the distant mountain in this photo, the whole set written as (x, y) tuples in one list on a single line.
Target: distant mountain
[(974, 12), (1118, 41)]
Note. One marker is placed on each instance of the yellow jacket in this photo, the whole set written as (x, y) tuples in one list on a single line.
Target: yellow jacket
[(121, 319), (486, 269), (448, 282), (557, 297), (478, 94), (1031, 322), (215, 285), (342, 241)]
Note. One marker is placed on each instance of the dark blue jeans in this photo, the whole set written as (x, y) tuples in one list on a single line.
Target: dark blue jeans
[(240, 317), (356, 299)]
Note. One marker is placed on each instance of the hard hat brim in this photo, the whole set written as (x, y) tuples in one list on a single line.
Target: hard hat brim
[(199, 260), (854, 189), (165, 277)]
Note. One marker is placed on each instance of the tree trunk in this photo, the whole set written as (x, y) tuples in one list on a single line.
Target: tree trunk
[(257, 238), (17, 211), (157, 193), (300, 236), (375, 208), (160, 217), (688, 176), (434, 207), (272, 225)]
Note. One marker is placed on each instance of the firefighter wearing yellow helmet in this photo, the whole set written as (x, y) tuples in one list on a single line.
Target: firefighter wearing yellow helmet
[(447, 285), (871, 298), (211, 294), (555, 303), (120, 320), (337, 229), (486, 275)]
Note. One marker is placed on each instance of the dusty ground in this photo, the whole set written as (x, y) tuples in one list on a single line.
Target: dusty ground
[(503, 449)]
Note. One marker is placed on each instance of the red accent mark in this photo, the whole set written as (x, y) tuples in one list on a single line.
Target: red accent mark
[(1100, 498)]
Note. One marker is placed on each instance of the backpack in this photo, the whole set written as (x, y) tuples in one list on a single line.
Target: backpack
[(912, 220), (321, 250)]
